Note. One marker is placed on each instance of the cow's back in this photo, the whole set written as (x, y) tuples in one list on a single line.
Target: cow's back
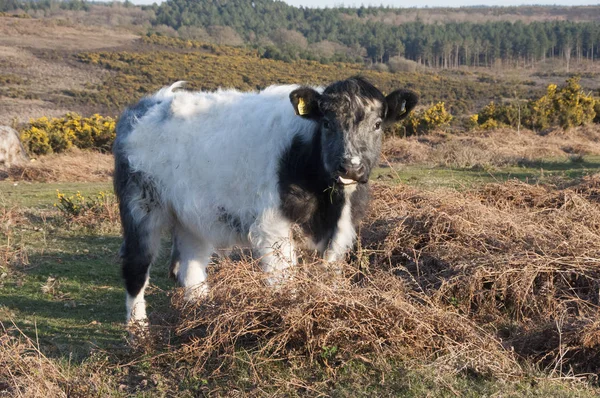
[(215, 154)]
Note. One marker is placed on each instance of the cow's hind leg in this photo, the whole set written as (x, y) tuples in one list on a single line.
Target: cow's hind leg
[(189, 258), (143, 219), (140, 248)]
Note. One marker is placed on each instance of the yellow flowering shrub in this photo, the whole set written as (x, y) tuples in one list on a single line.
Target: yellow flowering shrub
[(501, 115), (436, 116), (490, 124), (36, 141), (473, 120), (70, 205), (572, 106), (567, 106), (486, 118), (542, 109), (78, 206), (55, 135)]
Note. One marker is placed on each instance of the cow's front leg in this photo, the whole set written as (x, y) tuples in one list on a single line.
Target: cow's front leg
[(271, 236), (343, 238), (189, 259)]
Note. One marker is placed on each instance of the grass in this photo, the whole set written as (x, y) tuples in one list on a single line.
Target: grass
[(42, 196), (69, 291), (65, 292), (532, 172)]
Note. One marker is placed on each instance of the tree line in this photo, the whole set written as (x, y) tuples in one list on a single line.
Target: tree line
[(285, 32), (437, 45)]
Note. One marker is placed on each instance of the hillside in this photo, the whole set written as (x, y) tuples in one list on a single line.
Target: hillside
[(63, 66), (438, 38)]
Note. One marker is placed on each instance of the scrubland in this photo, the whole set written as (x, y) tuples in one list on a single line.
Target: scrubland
[(476, 273), (484, 283)]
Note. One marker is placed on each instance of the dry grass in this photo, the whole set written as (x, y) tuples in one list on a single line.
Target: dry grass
[(26, 372), (519, 259), (483, 282), (12, 254), (332, 317), (492, 148), (491, 283), (74, 166)]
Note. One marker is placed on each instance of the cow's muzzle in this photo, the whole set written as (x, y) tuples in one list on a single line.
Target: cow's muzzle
[(349, 173)]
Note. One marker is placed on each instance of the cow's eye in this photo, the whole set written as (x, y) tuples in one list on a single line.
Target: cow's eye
[(377, 125), (326, 124)]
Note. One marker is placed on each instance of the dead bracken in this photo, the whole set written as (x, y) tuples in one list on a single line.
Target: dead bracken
[(479, 281)]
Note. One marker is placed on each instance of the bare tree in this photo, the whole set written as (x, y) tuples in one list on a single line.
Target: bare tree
[(224, 35)]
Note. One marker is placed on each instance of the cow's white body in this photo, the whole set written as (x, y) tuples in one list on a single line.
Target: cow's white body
[(209, 151)]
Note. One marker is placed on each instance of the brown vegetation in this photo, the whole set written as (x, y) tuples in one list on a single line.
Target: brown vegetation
[(476, 282), (497, 282), (26, 372), (500, 147), (75, 165)]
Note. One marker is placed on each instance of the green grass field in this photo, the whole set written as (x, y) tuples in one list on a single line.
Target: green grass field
[(549, 171)]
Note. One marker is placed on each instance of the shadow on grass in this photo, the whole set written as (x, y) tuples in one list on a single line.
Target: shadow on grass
[(566, 166), (71, 298), (533, 172)]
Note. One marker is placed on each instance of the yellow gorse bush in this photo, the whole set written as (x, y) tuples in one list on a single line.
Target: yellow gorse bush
[(573, 107), (78, 205), (567, 106), (434, 117), (44, 135)]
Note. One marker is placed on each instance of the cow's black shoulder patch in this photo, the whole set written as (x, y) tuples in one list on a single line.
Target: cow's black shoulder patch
[(308, 195)]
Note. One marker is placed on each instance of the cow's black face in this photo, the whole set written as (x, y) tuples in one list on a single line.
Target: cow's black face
[(351, 115)]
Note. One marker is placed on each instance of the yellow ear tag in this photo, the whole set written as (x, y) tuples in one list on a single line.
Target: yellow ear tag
[(302, 108)]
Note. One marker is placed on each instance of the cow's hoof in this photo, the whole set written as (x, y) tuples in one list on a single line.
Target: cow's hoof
[(193, 294), (280, 281), (138, 331)]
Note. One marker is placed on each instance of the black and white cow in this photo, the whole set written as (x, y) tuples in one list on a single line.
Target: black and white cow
[(226, 168)]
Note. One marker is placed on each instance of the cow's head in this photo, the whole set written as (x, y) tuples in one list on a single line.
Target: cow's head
[(351, 115)]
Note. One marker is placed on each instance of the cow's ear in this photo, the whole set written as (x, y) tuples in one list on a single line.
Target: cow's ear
[(400, 103), (305, 101)]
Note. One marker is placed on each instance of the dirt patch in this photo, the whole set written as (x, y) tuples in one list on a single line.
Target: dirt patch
[(15, 110), (58, 34), (40, 52)]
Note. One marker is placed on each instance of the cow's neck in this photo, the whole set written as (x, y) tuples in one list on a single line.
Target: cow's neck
[(309, 197)]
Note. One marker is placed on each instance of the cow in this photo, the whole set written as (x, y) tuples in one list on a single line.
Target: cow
[(229, 168)]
